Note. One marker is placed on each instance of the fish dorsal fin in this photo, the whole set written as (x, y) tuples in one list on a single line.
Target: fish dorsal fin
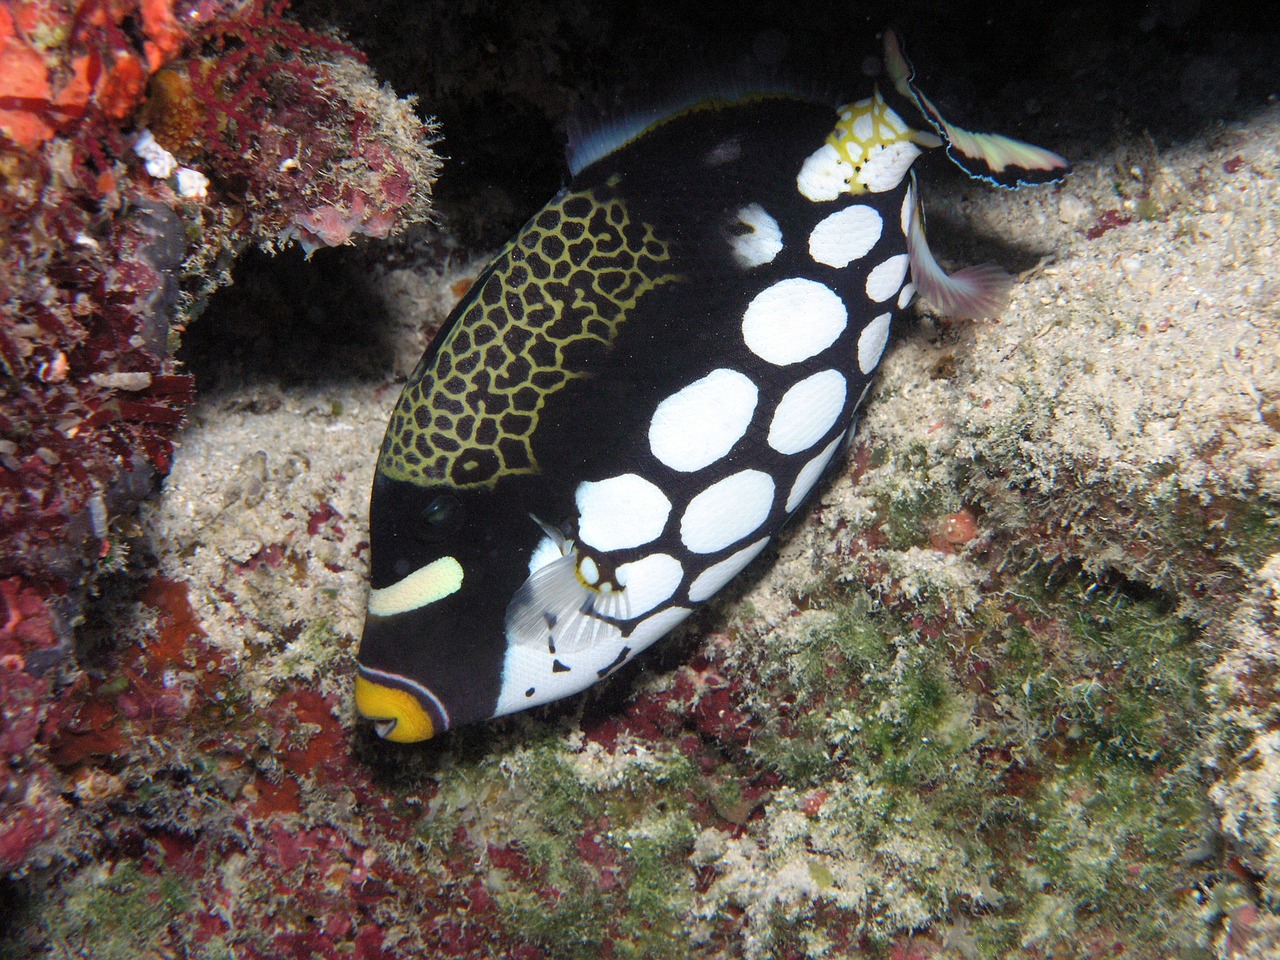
[(590, 140), (1000, 160), (593, 135)]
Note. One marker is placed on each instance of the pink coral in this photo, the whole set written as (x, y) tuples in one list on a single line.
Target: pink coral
[(30, 647)]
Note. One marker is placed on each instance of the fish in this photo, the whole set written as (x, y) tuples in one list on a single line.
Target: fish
[(645, 384)]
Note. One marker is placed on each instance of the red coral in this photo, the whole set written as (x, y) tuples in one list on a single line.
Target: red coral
[(1107, 220), (955, 530), (813, 801), (92, 252), (98, 262), (325, 518), (31, 809), (601, 857), (180, 630), (165, 36), (26, 825)]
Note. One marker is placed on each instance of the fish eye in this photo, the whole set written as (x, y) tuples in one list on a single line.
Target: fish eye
[(439, 519)]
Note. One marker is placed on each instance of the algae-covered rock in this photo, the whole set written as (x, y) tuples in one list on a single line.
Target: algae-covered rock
[(1008, 688)]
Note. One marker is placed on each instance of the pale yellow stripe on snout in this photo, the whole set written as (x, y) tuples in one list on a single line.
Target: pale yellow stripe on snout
[(426, 585)]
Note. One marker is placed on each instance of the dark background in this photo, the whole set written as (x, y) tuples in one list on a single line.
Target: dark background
[(502, 76), (1087, 80)]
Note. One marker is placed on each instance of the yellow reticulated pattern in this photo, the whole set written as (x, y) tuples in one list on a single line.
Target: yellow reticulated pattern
[(550, 307), (864, 127)]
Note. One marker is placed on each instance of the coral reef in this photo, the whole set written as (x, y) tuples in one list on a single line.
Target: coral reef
[(109, 246), (932, 726), (1010, 688)]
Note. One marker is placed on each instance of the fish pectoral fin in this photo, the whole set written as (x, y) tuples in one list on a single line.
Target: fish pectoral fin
[(556, 611), (977, 293), (997, 159)]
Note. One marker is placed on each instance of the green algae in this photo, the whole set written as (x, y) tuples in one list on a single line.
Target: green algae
[(1168, 521), (910, 496), (117, 912), (1040, 765), (1126, 675), (594, 850), (638, 907)]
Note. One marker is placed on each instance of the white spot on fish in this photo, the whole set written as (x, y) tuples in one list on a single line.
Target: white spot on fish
[(908, 210), (845, 235), (887, 164), (554, 675), (547, 551), (762, 241), (823, 175), (699, 424), (810, 473), (793, 320), (862, 396), (863, 126), (727, 511), (718, 574), (649, 582), (886, 279), (656, 627), (623, 511), (807, 411), (871, 343)]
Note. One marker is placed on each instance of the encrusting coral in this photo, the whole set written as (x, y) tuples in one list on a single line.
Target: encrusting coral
[(109, 247)]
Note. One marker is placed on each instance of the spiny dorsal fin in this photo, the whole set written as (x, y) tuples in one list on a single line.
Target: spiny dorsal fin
[(593, 138)]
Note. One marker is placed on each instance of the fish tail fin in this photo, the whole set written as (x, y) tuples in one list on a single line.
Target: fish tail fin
[(997, 159)]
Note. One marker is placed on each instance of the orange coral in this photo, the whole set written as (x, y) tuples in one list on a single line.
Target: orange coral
[(39, 17), (165, 36), (24, 93), (83, 51), (121, 86), (71, 100)]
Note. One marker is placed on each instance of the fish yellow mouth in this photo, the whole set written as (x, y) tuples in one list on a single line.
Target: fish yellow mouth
[(397, 715)]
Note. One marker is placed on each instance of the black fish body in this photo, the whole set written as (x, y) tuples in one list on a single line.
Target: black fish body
[(633, 398)]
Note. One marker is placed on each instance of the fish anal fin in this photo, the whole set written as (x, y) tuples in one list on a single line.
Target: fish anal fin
[(977, 293)]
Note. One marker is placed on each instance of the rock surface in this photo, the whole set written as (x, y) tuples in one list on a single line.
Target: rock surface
[(1008, 689)]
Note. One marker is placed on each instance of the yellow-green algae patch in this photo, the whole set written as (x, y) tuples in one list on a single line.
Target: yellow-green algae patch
[(134, 906), (1046, 757), (585, 846)]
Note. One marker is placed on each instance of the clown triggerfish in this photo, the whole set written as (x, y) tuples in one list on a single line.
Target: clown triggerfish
[(643, 386)]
